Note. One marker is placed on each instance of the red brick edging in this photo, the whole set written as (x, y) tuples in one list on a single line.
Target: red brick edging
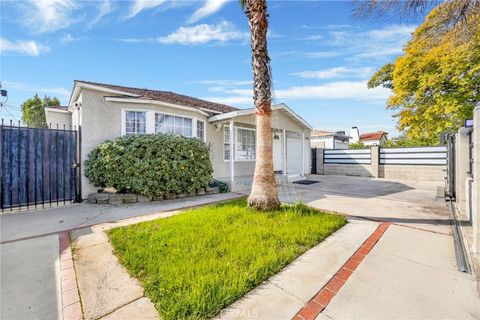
[(315, 306), (71, 308)]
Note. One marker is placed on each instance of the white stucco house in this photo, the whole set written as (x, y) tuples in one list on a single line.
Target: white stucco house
[(106, 111), (329, 140)]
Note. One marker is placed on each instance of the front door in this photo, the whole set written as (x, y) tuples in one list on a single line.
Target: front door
[(277, 152)]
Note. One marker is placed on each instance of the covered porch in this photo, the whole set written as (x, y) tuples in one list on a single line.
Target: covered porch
[(291, 146)]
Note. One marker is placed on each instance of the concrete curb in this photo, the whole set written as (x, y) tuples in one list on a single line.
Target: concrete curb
[(71, 306), (315, 306)]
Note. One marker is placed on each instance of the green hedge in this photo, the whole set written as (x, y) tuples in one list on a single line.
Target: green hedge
[(152, 165)]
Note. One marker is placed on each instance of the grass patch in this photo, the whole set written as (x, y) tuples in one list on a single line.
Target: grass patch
[(194, 264)]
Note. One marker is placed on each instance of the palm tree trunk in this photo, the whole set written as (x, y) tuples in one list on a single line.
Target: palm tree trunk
[(264, 190)]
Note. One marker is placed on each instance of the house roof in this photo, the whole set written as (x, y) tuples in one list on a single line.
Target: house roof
[(162, 96), (242, 112), (373, 135), (336, 135), (57, 108), (321, 133)]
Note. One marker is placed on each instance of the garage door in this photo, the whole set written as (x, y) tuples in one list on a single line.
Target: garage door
[(294, 154)]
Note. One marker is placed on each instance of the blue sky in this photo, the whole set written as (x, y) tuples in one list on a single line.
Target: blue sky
[(321, 54)]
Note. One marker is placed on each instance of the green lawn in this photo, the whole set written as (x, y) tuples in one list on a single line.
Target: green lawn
[(194, 264)]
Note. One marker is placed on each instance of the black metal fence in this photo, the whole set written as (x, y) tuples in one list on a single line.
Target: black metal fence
[(38, 166)]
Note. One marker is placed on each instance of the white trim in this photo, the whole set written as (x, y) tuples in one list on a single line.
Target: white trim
[(57, 110), (232, 156), (155, 102), (79, 85), (282, 106)]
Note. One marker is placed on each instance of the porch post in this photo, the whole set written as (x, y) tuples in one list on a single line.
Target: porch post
[(232, 160), (284, 152), (303, 153)]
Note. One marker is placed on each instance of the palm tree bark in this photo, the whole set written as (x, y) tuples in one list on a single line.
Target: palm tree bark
[(264, 190)]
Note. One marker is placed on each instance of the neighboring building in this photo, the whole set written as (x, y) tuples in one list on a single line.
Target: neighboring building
[(377, 138), (329, 140), (106, 111)]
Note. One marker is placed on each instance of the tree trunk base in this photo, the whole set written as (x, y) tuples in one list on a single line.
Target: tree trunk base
[(263, 203)]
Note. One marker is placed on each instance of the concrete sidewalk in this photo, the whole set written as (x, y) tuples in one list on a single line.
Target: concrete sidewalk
[(43, 221)]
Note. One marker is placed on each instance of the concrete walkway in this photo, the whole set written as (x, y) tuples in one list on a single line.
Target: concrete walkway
[(29, 252)]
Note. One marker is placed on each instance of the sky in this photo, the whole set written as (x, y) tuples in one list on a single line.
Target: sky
[(321, 54)]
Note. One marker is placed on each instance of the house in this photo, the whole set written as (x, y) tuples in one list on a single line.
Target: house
[(106, 111), (329, 140), (377, 138)]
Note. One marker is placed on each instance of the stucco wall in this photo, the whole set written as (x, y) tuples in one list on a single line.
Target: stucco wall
[(59, 119), (412, 172), (361, 170)]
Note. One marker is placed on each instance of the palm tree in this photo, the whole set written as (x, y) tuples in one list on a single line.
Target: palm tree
[(264, 190)]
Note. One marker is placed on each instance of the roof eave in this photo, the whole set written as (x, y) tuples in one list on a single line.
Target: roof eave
[(233, 114)]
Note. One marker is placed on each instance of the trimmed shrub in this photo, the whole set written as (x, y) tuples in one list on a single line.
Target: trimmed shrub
[(151, 165)]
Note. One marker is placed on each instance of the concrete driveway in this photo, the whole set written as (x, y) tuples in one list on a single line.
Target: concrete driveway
[(411, 272)]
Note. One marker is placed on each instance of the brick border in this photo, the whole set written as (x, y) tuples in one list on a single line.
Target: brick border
[(315, 306), (71, 307)]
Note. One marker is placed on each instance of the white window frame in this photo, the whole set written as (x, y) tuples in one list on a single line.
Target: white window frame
[(151, 123), (124, 121), (237, 143), (204, 129), (193, 120)]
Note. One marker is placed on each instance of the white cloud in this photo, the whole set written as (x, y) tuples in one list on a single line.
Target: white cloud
[(336, 90), (26, 48), (224, 83), (140, 5), (337, 72), (67, 38), (356, 90), (104, 8), (59, 92), (377, 43), (233, 101), (49, 15), (208, 8), (204, 33)]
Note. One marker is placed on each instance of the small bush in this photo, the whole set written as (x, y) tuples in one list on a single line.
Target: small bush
[(152, 165)]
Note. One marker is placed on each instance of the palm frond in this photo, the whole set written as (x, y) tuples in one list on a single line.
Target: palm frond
[(243, 4)]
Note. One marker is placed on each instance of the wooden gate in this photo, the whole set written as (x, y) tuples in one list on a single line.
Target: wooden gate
[(38, 166)]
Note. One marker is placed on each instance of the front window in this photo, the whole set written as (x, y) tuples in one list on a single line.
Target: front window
[(226, 143), (179, 126), (135, 122), (245, 144), (200, 129)]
